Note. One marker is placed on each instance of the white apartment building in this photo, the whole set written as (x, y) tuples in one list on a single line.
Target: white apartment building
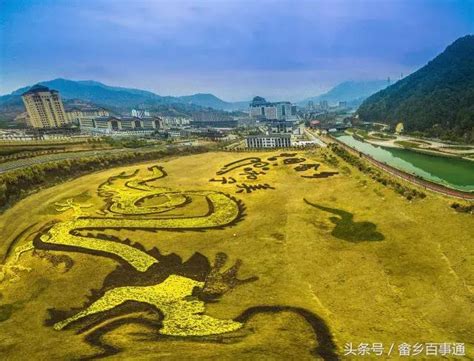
[(268, 141), (44, 107)]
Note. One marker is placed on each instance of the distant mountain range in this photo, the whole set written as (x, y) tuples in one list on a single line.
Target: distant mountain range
[(352, 92), (438, 99), (120, 98), (126, 98)]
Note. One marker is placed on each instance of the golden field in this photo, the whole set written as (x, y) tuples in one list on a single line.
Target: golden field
[(341, 248)]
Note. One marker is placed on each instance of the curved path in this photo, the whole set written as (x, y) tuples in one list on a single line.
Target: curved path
[(27, 162)]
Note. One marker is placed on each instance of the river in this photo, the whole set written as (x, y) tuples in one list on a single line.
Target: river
[(455, 173)]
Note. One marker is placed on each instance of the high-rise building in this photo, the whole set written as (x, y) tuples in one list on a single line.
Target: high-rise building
[(261, 109), (45, 108), (324, 104)]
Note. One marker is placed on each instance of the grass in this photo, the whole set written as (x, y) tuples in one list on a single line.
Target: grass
[(414, 285), (361, 133), (422, 141), (364, 134), (383, 136), (407, 144)]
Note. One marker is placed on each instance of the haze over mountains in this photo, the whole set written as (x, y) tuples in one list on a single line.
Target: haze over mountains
[(125, 98), (353, 92), (437, 99)]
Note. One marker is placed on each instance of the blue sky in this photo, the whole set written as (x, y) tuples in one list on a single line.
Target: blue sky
[(235, 49)]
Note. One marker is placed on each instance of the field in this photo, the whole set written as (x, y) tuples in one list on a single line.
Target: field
[(232, 256)]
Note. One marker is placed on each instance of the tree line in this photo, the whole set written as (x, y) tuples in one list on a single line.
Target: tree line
[(17, 184)]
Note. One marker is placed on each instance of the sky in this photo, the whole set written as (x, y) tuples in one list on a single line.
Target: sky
[(235, 49)]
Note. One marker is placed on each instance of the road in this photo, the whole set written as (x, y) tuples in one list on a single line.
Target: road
[(27, 162), (310, 134)]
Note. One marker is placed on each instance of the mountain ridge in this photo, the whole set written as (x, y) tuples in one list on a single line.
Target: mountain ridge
[(437, 99), (119, 97)]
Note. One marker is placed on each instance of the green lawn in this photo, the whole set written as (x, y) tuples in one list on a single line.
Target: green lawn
[(407, 144)]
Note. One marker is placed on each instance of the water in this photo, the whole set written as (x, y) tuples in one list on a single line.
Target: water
[(452, 172)]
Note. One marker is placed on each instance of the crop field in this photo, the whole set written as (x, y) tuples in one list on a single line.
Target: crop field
[(279, 255)]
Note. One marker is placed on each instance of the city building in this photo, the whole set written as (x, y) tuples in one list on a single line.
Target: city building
[(44, 107), (306, 143), (174, 122), (245, 122), (130, 125), (214, 123), (281, 126), (85, 116), (261, 109), (140, 113), (206, 133), (211, 115), (268, 141), (174, 133), (323, 104)]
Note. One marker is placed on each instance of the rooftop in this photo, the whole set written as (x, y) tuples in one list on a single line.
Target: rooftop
[(85, 109), (38, 88), (270, 136)]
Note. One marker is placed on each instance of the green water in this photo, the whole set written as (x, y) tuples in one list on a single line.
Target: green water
[(452, 172)]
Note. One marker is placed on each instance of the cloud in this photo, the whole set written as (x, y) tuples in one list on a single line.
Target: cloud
[(212, 44)]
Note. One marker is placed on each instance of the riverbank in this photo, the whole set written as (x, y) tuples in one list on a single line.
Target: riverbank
[(426, 146), (417, 176)]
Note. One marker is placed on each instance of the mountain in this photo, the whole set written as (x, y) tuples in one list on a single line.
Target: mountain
[(90, 91), (206, 100), (349, 91), (438, 99), (117, 98), (211, 101)]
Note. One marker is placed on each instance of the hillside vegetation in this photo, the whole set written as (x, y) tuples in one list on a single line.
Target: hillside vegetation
[(437, 100)]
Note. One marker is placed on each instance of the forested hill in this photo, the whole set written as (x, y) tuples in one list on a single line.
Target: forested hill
[(438, 99)]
